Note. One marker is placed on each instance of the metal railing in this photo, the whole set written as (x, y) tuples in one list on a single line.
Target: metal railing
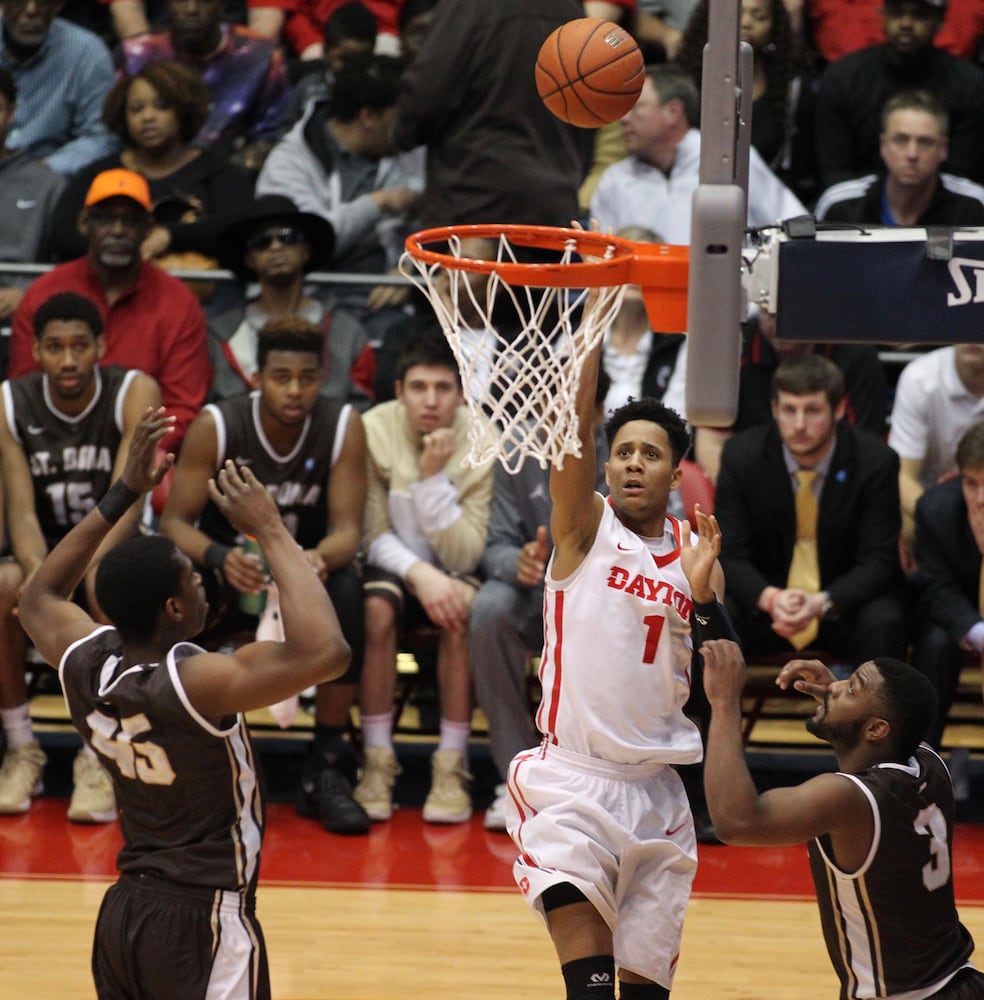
[(891, 357)]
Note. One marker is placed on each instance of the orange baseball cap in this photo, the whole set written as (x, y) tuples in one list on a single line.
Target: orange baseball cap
[(119, 183)]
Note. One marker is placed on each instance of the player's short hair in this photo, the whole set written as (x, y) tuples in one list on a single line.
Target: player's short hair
[(350, 21), (910, 702), (289, 333), (675, 84), (430, 350), (8, 86), (806, 373), (134, 580), (178, 87), (970, 449), (370, 81), (655, 412), (916, 100), (65, 307)]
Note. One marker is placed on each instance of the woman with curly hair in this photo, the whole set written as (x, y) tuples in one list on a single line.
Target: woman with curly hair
[(782, 92), (157, 113)]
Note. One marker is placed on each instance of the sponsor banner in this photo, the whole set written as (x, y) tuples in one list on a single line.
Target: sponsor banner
[(880, 292)]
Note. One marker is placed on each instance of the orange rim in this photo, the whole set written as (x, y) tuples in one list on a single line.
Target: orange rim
[(651, 264)]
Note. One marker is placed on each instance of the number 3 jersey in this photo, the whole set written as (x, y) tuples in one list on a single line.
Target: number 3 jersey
[(615, 669), (891, 927), (191, 807), (71, 457)]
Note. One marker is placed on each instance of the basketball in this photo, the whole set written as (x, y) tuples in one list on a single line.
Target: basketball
[(589, 72)]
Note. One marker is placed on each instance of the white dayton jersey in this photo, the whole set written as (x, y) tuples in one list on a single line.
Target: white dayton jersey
[(615, 669)]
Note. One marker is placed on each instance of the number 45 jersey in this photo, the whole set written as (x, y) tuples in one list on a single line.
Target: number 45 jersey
[(191, 808), (891, 927), (615, 669)]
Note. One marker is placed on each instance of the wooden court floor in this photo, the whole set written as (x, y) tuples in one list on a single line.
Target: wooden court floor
[(416, 911), (413, 911)]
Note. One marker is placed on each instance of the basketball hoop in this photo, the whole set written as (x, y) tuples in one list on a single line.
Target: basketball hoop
[(520, 331)]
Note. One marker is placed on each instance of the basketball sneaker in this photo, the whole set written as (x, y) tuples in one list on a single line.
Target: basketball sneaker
[(93, 800), (20, 777), (448, 800), (374, 792), (326, 793)]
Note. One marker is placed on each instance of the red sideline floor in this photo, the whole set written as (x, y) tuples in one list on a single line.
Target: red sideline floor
[(408, 853)]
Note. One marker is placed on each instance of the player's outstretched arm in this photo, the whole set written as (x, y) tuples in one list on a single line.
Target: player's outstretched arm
[(576, 510), (143, 393), (829, 803), (52, 620), (313, 650)]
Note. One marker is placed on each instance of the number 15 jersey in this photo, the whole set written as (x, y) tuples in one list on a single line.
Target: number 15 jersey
[(71, 457), (615, 669)]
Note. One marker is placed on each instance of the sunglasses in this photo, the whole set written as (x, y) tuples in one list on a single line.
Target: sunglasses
[(287, 236)]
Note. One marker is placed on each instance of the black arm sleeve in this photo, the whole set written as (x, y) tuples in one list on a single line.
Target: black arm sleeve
[(711, 621), (707, 621)]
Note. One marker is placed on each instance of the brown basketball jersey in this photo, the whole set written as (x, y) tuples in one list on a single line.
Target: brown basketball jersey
[(892, 926)]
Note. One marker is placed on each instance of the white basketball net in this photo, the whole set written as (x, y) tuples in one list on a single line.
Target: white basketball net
[(521, 384)]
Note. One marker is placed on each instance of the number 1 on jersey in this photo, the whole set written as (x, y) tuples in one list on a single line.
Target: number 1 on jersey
[(654, 628)]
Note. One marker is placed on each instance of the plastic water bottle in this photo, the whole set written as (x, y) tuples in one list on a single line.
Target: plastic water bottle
[(253, 604)]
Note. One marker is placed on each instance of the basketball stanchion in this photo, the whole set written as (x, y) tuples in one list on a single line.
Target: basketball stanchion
[(520, 331)]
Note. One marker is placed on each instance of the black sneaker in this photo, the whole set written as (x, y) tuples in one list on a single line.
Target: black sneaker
[(327, 796), (340, 813)]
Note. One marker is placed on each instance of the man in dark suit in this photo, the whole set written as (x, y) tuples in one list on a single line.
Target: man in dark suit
[(949, 542), (854, 609)]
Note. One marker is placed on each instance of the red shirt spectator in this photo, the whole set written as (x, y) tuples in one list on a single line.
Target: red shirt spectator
[(305, 19), (156, 326), (842, 26)]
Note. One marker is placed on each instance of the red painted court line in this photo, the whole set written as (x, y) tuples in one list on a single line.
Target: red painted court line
[(407, 853)]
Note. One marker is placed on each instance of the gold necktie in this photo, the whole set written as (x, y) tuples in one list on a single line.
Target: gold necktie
[(804, 570)]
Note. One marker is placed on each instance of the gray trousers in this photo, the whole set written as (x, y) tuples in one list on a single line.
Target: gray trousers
[(505, 627)]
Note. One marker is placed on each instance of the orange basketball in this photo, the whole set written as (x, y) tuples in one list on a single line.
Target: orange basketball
[(589, 72)]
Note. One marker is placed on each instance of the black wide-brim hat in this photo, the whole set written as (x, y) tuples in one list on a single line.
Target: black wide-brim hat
[(269, 209)]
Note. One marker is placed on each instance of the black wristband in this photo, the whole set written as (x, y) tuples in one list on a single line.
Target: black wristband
[(710, 621), (215, 556), (118, 500)]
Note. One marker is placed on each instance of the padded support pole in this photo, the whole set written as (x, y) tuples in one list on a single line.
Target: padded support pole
[(716, 302), (716, 299)]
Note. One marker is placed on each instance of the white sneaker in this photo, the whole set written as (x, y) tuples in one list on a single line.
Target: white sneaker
[(495, 815), (448, 800), (20, 777), (374, 792), (93, 799)]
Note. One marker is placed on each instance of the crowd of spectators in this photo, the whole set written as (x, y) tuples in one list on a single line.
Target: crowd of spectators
[(284, 137)]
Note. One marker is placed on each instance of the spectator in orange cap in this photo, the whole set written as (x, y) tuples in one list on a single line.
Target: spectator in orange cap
[(151, 320)]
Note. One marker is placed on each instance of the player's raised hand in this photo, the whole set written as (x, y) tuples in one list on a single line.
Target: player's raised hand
[(698, 561), (144, 467), (724, 671), (811, 677), (244, 500)]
